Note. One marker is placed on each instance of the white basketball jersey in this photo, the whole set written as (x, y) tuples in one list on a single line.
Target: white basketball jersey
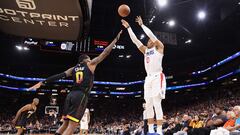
[(153, 61), (85, 116)]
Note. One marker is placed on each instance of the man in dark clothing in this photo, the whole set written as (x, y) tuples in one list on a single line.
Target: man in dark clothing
[(216, 121)]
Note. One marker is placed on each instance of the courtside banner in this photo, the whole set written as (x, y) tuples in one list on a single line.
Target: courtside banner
[(44, 19)]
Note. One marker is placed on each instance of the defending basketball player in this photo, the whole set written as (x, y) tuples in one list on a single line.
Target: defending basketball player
[(23, 115), (84, 122), (76, 101), (155, 83)]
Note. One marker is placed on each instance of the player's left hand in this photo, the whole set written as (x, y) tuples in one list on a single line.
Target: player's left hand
[(139, 20), (119, 34), (14, 121), (36, 86)]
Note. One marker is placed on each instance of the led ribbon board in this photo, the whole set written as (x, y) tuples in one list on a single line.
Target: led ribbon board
[(139, 92), (234, 56)]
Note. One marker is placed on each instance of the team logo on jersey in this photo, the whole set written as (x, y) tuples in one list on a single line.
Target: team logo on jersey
[(150, 52), (26, 4)]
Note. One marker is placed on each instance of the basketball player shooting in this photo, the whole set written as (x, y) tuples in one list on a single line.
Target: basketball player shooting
[(155, 83), (76, 101), (23, 115)]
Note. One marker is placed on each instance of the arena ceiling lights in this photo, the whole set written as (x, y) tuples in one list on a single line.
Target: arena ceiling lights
[(46, 19), (201, 15), (162, 3)]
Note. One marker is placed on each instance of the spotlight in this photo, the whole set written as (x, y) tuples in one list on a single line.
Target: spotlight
[(63, 46), (189, 41), (19, 47), (25, 48), (142, 36), (128, 56), (120, 56), (162, 3), (201, 15), (171, 23), (234, 79)]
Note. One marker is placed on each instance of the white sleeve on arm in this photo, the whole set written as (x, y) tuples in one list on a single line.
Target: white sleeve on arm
[(149, 33), (134, 39)]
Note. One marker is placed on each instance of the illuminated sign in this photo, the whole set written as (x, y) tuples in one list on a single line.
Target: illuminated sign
[(44, 19), (100, 43)]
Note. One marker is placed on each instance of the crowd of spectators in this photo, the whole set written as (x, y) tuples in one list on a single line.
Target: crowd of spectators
[(219, 116)]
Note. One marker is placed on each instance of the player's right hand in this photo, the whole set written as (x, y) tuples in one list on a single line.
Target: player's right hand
[(125, 23), (139, 20), (36, 86)]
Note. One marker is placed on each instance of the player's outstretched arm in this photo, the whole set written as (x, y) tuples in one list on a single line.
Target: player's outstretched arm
[(53, 78), (133, 37), (149, 32), (24, 108), (105, 53), (88, 117)]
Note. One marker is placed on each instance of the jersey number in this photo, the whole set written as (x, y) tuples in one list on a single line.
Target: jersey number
[(79, 77), (148, 59)]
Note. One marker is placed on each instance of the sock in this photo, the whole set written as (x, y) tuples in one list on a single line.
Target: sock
[(159, 129), (150, 128)]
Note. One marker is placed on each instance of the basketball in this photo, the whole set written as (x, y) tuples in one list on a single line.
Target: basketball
[(124, 10)]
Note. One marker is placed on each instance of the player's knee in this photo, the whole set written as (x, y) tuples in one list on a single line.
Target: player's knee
[(150, 113), (73, 124), (149, 105), (159, 113)]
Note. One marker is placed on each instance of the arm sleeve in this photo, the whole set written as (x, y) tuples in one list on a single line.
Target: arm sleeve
[(134, 39), (149, 33), (55, 77)]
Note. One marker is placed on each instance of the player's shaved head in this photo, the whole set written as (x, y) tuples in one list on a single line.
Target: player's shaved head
[(35, 101), (82, 58)]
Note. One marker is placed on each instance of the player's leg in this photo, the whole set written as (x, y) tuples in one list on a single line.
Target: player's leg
[(81, 132), (159, 85), (62, 128), (20, 125), (20, 131), (86, 132), (76, 112), (70, 128), (157, 101), (150, 114), (149, 104)]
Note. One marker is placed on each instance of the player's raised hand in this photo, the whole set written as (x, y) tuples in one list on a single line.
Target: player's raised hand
[(36, 86), (119, 34), (139, 20), (125, 23)]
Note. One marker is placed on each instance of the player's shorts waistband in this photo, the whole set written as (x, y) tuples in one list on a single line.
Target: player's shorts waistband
[(154, 74)]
